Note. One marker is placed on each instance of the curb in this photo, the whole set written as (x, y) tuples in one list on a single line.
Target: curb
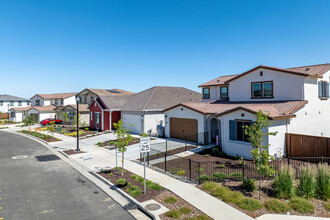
[(132, 202)]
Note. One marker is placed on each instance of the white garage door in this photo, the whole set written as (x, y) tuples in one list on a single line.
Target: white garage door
[(135, 120)]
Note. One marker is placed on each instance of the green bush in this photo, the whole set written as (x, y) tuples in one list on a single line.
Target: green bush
[(323, 181), (173, 214), (249, 185), (236, 174), (170, 200), (220, 191), (215, 150), (302, 206), (100, 144), (185, 210), (232, 197), (155, 186), (327, 206), (249, 204), (221, 154), (284, 182), (203, 178), (181, 172), (198, 217), (135, 193), (307, 182), (219, 175), (110, 174), (121, 181), (132, 188), (277, 206), (139, 179), (209, 186), (221, 166), (133, 176), (236, 157), (207, 155), (199, 169)]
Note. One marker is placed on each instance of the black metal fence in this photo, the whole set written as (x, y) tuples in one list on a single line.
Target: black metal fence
[(219, 170)]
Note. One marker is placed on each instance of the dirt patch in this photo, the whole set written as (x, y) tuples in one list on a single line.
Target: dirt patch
[(41, 136), (71, 152), (133, 141)]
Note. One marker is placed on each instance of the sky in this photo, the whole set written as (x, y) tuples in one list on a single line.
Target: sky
[(56, 46)]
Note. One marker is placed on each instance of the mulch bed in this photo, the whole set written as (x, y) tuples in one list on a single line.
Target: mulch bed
[(41, 136), (133, 141), (157, 195), (267, 192), (72, 129), (170, 152), (71, 152)]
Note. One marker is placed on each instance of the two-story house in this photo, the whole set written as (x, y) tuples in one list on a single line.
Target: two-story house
[(42, 106), (295, 99), (9, 101)]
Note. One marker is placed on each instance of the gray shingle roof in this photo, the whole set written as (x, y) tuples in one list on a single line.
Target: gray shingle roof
[(6, 97), (115, 102), (160, 98)]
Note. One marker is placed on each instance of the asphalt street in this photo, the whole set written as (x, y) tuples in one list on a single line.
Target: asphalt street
[(42, 186)]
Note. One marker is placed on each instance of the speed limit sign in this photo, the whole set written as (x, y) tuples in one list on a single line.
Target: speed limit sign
[(144, 144)]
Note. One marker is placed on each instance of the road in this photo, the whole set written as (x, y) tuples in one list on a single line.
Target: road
[(42, 186)]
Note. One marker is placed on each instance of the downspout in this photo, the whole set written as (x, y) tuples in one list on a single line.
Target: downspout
[(110, 118), (102, 121)]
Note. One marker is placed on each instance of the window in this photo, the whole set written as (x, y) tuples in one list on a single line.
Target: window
[(37, 102), (11, 103), (56, 102), (28, 102), (323, 90), (224, 92), (262, 90), (91, 116), (206, 93), (92, 98), (19, 103), (62, 102), (236, 130), (1, 103), (12, 114)]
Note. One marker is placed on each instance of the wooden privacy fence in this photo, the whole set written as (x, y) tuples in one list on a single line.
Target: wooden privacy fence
[(4, 116), (298, 145)]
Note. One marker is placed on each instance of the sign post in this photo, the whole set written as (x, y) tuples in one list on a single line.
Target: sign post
[(144, 148)]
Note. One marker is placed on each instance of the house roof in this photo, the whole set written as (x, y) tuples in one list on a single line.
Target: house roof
[(82, 107), (6, 97), (20, 108), (275, 110), (218, 81), (160, 97), (100, 92), (114, 102), (317, 70), (56, 96), (46, 108)]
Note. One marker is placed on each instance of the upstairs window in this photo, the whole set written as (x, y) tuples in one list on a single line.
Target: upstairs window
[(56, 102), (19, 103), (224, 92), (37, 102), (261, 90), (206, 93), (11, 103), (236, 130), (1, 103), (323, 90), (92, 98), (62, 102), (12, 114)]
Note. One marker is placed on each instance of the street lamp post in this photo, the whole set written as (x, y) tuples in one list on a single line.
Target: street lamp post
[(77, 100)]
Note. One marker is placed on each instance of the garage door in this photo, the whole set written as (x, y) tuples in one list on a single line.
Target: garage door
[(130, 119), (182, 127)]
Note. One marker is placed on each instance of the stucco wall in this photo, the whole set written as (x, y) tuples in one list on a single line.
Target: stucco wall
[(33, 101), (183, 112), (285, 86), (4, 106), (214, 93), (70, 100), (134, 118), (151, 120)]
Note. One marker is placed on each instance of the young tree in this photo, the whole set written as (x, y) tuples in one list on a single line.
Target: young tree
[(75, 119), (260, 152), (123, 139), (51, 128), (66, 117)]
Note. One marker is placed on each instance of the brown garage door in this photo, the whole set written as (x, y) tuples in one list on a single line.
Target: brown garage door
[(181, 128)]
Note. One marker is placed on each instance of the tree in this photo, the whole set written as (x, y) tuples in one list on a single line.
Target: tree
[(123, 139), (75, 119), (66, 117), (28, 120), (260, 152), (51, 128)]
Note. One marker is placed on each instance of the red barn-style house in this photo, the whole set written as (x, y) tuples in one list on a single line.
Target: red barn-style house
[(106, 110)]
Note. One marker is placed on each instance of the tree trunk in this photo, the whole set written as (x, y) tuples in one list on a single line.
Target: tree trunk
[(122, 164)]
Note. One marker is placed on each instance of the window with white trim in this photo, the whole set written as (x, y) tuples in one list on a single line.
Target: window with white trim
[(237, 130), (323, 90), (19, 103), (206, 93), (11, 103)]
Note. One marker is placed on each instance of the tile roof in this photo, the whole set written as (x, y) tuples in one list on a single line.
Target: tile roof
[(6, 97), (46, 108), (114, 92), (56, 96), (317, 70), (218, 81), (161, 97), (20, 108), (274, 109), (82, 107)]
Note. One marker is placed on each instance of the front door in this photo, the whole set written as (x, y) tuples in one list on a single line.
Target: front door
[(214, 130), (97, 120)]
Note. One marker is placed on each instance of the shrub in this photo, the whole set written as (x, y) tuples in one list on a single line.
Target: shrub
[(236, 174), (173, 214), (139, 179), (181, 172), (249, 204), (219, 175), (203, 178), (170, 200), (155, 186), (185, 210), (135, 193), (301, 205), (236, 157), (199, 169), (86, 129), (249, 185), (221, 166), (199, 217), (132, 188), (323, 181), (232, 197), (307, 183), (100, 144), (221, 154), (277, 206), (133, 176), (215, 150), (327, 206), (284, 183), (207, 155), (110, 174), (220, 191), (209, 186), (121, 181)]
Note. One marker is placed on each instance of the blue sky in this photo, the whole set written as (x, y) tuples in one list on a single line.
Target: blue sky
[(51, 46)]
